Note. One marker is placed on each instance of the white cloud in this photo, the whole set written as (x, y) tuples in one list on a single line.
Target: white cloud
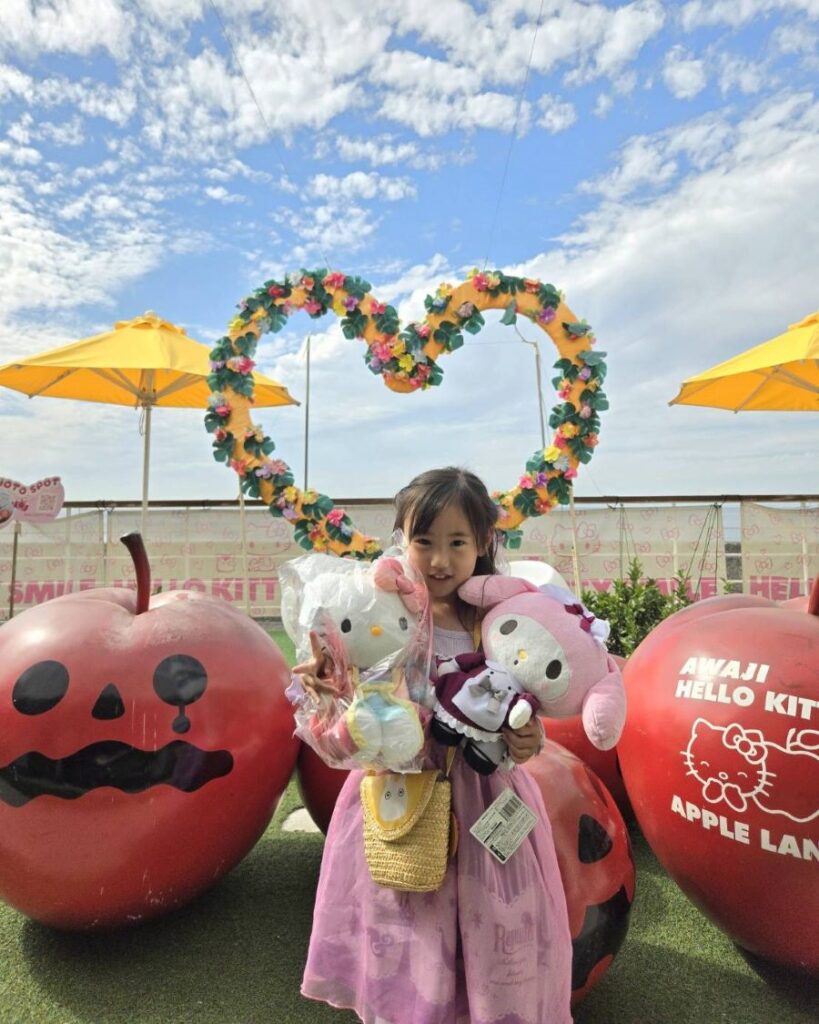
[(619, 35), (63, 133), (328, 228), (18, 154), (361, 185), (591, 39), (235, 168), (745, 75), (642, 164), (405, 71), (380, 150), (794, 38), (683, 75), (437, 116), (696, 13), (603, 104), (67, 26), (556, 115), (221, 195)]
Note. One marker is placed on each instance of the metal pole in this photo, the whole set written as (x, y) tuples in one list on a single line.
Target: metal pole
[(539, 382), (307, 410), (17, 525), (243, 536), (578, 586)]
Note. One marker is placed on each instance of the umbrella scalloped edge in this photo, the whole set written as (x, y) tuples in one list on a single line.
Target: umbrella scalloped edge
[(406, 359)]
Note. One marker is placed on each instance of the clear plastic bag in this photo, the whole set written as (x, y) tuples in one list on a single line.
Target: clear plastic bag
[(373, 623)]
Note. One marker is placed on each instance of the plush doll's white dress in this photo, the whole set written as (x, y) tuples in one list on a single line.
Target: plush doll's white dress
[(491, 946)]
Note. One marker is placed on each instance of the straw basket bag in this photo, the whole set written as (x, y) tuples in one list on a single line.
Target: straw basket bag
[(409, 831)]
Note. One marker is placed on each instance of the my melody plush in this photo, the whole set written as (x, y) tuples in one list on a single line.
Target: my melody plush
[(543, 651), (371, 620)]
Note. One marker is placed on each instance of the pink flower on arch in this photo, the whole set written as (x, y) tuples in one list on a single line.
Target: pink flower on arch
[(241, 364), (546, 315)]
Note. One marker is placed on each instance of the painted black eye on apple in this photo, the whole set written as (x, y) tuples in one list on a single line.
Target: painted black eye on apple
[(180, 680), (40, 688)]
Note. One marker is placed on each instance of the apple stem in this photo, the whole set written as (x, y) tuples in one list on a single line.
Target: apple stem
[(139, 556), (813, 600)]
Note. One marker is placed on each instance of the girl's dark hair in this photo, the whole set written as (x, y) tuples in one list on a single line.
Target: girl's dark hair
[(423, 499)]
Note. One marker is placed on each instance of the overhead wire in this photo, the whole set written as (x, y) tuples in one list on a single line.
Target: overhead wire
[(255, 99), (521, 96)]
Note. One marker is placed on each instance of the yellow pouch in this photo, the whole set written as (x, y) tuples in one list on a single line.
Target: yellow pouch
[(407, 829)]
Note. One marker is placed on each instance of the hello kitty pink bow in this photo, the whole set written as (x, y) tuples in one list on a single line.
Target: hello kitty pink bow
[(389, 575)]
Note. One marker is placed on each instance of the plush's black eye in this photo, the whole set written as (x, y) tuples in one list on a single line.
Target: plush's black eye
[(553, 669), (346, 625), (402, 622), (509, 627), (180, 680), (40, 688)]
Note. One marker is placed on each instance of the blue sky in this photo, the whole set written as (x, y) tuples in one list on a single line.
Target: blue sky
[(659, 162)]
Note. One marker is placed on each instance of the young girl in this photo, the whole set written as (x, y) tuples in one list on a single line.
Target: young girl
[(492, 945)]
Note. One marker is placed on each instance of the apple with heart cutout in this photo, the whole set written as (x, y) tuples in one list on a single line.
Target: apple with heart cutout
[(144, 744), (720, 756)]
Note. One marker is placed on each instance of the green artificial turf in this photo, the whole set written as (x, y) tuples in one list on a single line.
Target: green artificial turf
[(235, 955)]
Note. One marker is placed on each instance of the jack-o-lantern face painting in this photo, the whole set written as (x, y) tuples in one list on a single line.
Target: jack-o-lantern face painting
[(144, 745)]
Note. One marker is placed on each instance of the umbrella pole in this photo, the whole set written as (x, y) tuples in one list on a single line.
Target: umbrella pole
[(146, 459)]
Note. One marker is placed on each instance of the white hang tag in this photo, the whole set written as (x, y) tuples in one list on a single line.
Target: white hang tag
[(503, 826)]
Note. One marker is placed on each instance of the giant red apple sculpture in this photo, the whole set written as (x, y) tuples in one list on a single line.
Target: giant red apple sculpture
[(720, 756), (594, 856), (144, 744)]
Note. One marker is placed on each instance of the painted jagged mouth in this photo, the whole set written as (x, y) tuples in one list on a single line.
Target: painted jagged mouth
[(111, 763)]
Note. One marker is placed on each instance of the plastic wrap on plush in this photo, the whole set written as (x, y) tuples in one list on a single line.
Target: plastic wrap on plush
[(373, 623)]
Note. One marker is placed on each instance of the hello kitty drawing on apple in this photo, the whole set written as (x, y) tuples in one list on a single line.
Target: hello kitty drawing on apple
[(737, 765)]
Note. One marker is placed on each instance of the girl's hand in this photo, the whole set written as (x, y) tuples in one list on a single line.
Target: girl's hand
[(317, 673), (524, 742)]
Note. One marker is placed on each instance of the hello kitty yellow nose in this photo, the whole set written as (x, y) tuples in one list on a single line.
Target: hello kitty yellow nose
[(376, 630), (522, 655)]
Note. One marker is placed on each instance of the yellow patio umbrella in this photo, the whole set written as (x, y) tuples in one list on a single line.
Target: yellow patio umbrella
[(144, 362), (779, 375)]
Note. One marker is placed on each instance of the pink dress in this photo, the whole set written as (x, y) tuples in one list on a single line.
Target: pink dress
[(491, 946)]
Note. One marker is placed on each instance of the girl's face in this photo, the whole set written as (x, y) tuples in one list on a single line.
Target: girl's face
[(446, 554)]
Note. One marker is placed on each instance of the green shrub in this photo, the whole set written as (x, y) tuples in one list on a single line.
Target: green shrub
[(634, 606)]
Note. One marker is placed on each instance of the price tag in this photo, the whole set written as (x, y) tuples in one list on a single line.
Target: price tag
[(503, 826)]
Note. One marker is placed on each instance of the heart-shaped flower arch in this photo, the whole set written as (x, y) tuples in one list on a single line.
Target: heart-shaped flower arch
[(406, 359)]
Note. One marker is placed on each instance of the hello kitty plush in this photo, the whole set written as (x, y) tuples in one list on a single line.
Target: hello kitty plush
[(372, 623), (542, 652)]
